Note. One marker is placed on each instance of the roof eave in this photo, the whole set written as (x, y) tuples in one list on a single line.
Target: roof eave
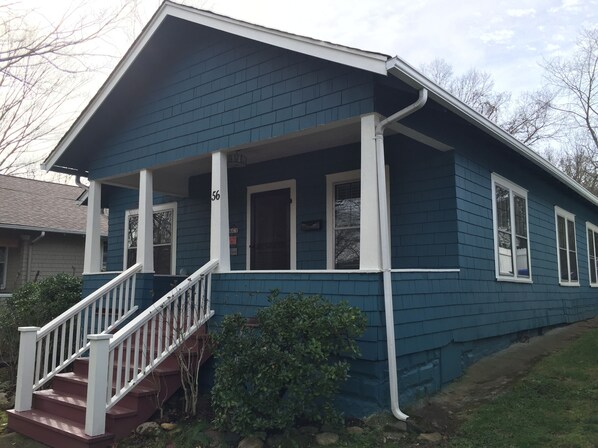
[(372, 62), (408, 74)]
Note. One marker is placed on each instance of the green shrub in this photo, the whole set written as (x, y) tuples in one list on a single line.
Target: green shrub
[(33, 305), (288, 368)]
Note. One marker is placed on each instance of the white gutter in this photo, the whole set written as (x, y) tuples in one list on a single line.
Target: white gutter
[(408, 74), (385, 242)]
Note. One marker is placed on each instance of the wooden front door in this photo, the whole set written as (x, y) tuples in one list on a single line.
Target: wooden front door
[(270, 242)]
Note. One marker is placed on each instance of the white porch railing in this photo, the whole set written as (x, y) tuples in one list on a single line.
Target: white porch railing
[(119, 363), (45, 352)]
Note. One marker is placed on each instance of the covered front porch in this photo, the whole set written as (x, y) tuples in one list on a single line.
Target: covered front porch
[(303, 203)]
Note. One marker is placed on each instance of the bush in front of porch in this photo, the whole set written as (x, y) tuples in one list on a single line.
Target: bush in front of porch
[(288, 368), (33, 305)]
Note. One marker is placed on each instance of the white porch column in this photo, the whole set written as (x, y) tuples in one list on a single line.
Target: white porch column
[(369, 237), (145, 229), (219, 227), (93, 251)]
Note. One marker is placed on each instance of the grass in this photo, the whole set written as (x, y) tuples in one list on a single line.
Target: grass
[(555, 405)]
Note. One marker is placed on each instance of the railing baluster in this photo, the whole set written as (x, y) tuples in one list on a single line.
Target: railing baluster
[(38, 360), (152, 342), (62, 344), (121, 291), (209, 292), (160, 331), (136, 355), (128, 361), (46, 355), (119, 368), (71, 333), (144, 348)]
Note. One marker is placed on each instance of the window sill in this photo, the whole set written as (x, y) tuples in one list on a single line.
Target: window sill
[(593, 285), (569, 283), (514, 280)]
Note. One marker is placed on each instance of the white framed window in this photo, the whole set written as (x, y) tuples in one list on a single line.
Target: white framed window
[(3, 265), (566, 247), (511, 231), (592, 232), (164, 236), (343, 198)]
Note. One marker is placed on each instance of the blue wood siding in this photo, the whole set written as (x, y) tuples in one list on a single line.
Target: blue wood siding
[(365, 391), (221, 91), (422, 206)]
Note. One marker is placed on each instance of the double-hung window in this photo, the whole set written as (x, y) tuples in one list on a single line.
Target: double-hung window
[(511, 233), (592, 231), (3, 264), (164, 237), (344, 212), (567, 247)]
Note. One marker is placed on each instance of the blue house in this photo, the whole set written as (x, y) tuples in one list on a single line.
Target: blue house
[(236, 159)]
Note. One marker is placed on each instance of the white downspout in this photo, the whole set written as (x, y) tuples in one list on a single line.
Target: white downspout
[(385, 242)]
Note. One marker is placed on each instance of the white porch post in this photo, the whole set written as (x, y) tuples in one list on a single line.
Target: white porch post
[(25, 368), (97, 384), (93, 252), (369, 236), (219, 227), (145, 229)]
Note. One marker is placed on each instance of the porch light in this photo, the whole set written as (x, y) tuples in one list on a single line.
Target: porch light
[(236, 160)]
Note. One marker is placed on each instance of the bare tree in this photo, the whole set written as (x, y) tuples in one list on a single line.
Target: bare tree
[(44, 64), (529, 118), (575, 81)]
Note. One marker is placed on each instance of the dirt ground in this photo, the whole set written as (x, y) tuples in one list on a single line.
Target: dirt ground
[(490, 377), (482, 382)]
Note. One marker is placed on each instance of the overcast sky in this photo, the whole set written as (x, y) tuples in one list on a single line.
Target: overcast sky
[(507, 38)]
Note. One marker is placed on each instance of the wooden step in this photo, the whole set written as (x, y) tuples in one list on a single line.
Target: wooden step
[(73, 406), (55, 431), (58, 414)]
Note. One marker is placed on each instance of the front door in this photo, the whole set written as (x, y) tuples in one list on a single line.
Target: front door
[(270, 243)]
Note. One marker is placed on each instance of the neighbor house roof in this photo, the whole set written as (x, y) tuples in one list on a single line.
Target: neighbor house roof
[(364, 60), (42, 206)]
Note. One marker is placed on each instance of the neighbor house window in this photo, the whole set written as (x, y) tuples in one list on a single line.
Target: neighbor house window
[(567, 249), (344, 211), (3, 264), (592, 231), (511, 234), (164, 238)]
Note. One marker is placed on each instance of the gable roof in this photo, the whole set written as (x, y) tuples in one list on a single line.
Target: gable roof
[(42, 206), (364, 60)]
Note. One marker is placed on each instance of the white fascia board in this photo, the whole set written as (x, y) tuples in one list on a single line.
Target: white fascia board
[(372, 62), (408, 74)]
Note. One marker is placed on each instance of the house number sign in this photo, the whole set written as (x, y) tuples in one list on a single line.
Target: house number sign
[(215, 195)]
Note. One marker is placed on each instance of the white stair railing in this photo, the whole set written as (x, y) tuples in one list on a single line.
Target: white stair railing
[(135, 350), (45, 352)]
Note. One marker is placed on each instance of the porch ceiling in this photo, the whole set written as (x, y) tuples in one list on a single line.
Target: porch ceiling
[(173, 179)]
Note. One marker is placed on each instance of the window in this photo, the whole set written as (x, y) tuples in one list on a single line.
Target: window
[(344, 211), (3, 264), (511, 233), (592, 231), (164, 238), (566, 245)]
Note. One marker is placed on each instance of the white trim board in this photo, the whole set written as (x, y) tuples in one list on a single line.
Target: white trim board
[(291, 185)]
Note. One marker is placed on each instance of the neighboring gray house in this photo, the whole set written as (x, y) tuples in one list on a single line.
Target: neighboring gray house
[(42, 231)]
